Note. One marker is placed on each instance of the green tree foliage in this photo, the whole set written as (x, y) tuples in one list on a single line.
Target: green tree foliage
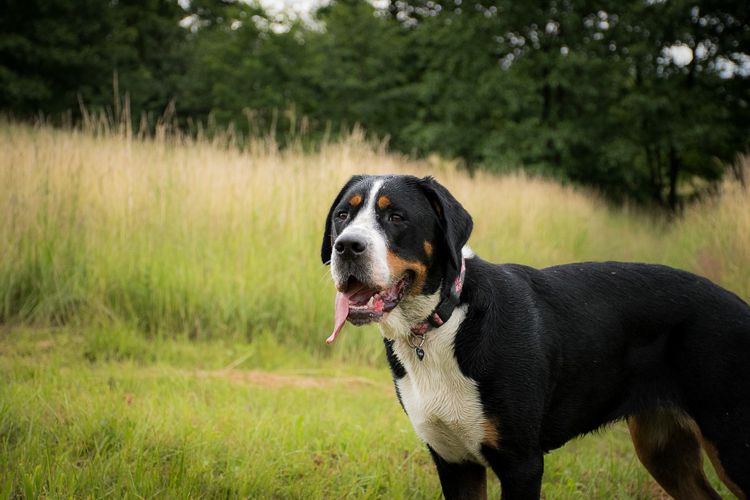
[(586, 91), (149, 51), (238, 65), (645, 100), (53, 52), (358, 67)]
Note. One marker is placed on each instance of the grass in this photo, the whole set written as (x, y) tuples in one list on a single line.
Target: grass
[(81, 419), (202, 241), (164, 309)]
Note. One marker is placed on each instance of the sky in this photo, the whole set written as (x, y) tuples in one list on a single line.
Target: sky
[(297, 6), (303, 7)]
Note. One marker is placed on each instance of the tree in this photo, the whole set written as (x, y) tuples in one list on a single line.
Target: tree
[(588, 92), (584, 90), (53, 52)]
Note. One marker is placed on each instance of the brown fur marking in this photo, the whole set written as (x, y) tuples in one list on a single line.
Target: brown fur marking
[(713, 455), (668, 445), (491, 434), (428, 248), (383, 202), (355, 200), (399, 266)]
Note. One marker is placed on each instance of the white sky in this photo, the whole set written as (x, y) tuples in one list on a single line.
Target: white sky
[(304, 6), (298, 6)]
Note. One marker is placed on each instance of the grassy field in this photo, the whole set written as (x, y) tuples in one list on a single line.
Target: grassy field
[(81, 418), (163, 312)]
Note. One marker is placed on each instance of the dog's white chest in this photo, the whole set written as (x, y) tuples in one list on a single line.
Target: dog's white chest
[(442, 403)]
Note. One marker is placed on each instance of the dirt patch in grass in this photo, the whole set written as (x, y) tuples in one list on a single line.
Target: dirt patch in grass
[(267, 379)]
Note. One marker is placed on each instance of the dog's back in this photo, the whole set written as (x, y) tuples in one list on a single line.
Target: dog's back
[(597, 342)]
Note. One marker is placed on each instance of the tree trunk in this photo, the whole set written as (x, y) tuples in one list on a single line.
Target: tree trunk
[(654, 171), (674, 171)]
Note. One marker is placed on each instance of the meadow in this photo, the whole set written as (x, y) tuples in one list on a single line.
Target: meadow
[(163, 310)]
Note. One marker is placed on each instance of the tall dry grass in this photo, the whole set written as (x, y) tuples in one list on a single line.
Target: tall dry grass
[(177, 236)]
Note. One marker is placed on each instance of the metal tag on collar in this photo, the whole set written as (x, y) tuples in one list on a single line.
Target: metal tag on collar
[(417, 347)]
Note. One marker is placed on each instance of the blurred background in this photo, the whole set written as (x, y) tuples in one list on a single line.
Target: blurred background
[(166, 169), (645, 100)]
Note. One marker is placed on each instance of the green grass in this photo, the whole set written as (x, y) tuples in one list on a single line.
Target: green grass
[(163, 309), (81, 418)]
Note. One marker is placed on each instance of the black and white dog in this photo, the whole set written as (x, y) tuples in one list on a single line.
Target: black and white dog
[(497, 364)]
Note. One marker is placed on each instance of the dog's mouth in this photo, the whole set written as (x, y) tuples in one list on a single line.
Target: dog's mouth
[(361, 304)]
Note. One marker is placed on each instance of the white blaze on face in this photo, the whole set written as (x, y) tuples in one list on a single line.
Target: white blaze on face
[(365, 225)]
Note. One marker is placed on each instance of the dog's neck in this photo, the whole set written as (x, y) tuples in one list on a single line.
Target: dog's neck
[(418, 314), (411, 311)]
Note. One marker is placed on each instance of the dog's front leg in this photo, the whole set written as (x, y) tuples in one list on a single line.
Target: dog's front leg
[(520, 474), (464, 481)]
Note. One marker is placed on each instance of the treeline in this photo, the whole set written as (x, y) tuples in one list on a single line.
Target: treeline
[(646, 100)]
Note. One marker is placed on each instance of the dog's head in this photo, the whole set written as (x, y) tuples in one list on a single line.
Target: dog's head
[(391, 241)]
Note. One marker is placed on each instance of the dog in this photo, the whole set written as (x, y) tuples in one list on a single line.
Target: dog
[(495, 365)]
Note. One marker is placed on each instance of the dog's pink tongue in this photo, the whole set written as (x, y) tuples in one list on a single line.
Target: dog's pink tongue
[(341, 312)]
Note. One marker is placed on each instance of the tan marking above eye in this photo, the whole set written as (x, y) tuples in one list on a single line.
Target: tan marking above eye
[(355, 200), (428, 248), (383, 202)]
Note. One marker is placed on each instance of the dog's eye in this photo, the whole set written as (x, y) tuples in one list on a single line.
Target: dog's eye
[(343, 215), (396, 218)]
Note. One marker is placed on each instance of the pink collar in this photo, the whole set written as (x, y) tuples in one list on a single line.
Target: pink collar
[(439, 316)]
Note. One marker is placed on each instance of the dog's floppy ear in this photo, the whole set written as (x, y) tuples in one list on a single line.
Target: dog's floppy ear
[(455, 222), (327, 247)]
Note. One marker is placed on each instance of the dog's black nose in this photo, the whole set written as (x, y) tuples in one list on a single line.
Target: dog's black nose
[(350, 246)]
